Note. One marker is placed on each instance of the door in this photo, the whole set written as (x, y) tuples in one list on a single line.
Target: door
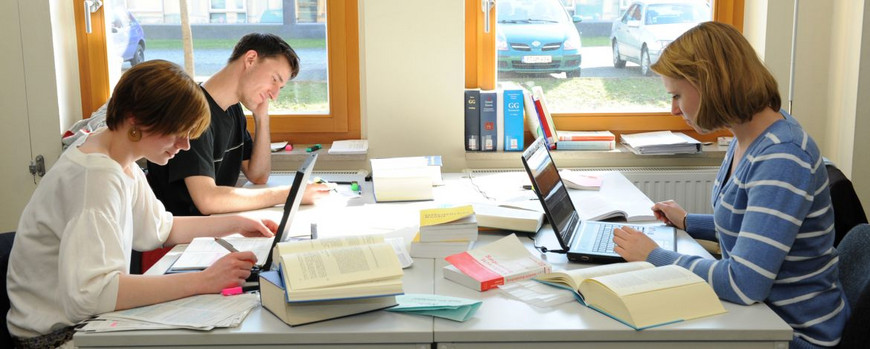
[(31, 123)]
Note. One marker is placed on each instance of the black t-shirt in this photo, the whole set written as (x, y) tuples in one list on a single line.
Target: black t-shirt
[(217, 153)]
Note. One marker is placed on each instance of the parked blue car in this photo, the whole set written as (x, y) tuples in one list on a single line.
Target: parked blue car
[(537, 36), (127, 39)]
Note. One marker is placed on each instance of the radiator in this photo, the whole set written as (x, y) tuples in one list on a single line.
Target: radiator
[(689, 186)]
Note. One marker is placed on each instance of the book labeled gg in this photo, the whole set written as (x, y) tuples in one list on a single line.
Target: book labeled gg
[(639, 294), (503, 261)]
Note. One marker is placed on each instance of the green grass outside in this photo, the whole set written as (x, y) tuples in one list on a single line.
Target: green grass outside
[(583, 94), (593, 41), (600, 94), (228, 44)]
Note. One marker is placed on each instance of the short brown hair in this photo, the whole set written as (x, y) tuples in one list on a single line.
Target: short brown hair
[(162, 99), (732, 82), (267, 46)]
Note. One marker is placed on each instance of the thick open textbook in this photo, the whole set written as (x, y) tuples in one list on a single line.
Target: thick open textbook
[(272, 294), (339, 268), (639, 294)]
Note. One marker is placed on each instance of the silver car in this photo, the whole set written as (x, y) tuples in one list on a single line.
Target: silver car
[(646, 27)]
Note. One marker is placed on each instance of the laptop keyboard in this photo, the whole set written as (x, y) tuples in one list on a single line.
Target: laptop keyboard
[(604, 238)]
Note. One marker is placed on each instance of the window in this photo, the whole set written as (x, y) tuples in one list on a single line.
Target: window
[(591, 57), (322, 104)]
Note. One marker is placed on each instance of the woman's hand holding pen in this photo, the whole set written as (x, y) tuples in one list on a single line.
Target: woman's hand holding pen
[(229, 271), (670, 213)]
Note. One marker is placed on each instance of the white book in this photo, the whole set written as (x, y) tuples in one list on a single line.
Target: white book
[(350, 146)]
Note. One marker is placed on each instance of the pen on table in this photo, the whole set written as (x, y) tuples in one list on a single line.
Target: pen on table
[(312, 148), (319, 180), (527, 187), (226, 245)]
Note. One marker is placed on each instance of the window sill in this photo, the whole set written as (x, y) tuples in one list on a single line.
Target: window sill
[(290, 160), (711, 155)]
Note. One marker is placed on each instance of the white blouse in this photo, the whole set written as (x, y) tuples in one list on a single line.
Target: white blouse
[(75, 238)]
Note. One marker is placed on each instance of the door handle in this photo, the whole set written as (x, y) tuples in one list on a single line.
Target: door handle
[(91, 6)]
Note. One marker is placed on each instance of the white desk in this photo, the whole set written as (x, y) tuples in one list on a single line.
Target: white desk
[(501, 322), (379, 329)]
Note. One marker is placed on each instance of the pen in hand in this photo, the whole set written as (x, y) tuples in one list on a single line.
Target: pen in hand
[(225, 244)]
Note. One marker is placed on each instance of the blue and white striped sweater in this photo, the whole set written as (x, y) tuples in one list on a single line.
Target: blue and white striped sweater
[(774, 221)]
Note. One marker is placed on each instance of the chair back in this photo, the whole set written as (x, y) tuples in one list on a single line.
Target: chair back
[(848, 211), (854, 270), (6, 240)]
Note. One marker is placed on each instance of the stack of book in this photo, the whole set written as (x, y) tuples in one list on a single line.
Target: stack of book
[(444, 231), (405, 178), (330, 278), (586, 140)]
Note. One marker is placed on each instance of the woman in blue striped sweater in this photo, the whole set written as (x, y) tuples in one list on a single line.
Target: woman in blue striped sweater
[(772, 211)]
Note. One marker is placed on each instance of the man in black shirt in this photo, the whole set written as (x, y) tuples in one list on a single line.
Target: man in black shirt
[(201, 181)]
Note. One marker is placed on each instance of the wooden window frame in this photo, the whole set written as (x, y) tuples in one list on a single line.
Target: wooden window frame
[(480, 72), (342, 122)]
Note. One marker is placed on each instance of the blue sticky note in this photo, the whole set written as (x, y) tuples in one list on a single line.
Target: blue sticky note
[(451, 308)]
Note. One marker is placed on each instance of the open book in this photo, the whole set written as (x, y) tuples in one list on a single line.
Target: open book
[(272, 295), (339, 268), (639, 294), (598, 207)]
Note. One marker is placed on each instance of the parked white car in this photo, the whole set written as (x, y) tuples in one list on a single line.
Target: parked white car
[(646, 27)]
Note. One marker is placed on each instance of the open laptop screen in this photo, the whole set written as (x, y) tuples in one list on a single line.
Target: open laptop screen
[(551, 191), (294, 199)]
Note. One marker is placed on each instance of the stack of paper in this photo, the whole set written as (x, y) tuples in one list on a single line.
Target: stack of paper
[(203, 312), (406, 178), (661, 142), (351, 146), (451, 308)]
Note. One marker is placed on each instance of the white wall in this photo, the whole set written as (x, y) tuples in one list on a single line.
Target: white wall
[(827, 74), (413, 78)]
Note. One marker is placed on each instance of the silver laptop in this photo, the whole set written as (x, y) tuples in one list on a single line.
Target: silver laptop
[(583, 241)]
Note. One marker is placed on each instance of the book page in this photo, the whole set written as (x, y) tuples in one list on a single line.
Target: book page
[(574, 277), (340, 266), (646, 280), (323, 244), (202, 252), (435, 216), (506, 257)]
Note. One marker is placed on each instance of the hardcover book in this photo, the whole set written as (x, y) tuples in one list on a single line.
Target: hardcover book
[(639, 294), (472, 120), (547, 125), (513, 120), (272, 295), (338, 268), (488, 120), (500, 262)]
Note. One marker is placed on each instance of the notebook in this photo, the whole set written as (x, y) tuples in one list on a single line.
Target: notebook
[(583, 241), (291, 205)]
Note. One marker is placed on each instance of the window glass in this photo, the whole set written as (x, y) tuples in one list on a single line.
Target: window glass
[(141, 30), (591, 56)]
